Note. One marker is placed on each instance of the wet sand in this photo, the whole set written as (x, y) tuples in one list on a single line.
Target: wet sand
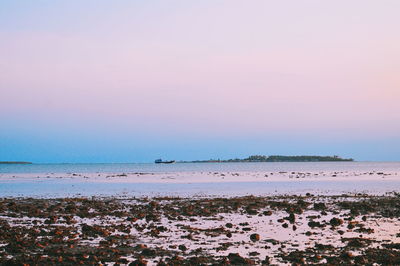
[(309, 229), (188, 184), (203, 177)]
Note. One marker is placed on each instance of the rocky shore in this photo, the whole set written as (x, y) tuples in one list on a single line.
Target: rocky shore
[(345, 229)]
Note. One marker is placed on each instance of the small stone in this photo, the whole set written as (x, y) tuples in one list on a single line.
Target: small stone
[(336, 221), (267, 213), (254, 237), (148, 252)]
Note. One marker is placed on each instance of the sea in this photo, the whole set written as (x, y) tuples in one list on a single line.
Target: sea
[(49, 181), (198, 167)]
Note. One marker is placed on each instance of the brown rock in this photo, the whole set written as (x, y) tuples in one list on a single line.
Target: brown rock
[(254, 237)]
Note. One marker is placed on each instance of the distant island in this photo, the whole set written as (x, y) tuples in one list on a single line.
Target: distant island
[(11, 162), (277, 158)]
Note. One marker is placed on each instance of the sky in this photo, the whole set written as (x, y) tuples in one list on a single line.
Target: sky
[(133, 81)]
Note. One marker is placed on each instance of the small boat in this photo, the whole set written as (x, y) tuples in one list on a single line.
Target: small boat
[(161, 161)]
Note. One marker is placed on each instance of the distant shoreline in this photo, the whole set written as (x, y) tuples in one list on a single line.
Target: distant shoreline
[(11, 162)]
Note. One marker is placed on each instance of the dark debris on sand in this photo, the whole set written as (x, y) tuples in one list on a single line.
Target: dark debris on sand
[(96, 231)]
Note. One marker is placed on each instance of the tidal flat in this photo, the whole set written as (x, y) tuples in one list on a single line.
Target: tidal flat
[(315, 229), (188, 184)]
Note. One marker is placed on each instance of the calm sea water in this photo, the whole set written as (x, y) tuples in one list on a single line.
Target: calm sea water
[(69, 188), (199, 167)]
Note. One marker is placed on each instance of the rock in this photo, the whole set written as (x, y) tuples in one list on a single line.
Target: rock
[(319, 206), (229, 225), (267, 213), (139, 262), (336, 221), (131, 219), (392, 245), (198, 261), (291, 218), (323, 247), (254, 237), (347, 255), (266, 261), (123, 261), (176, 260), (148, 252), (236, 259), (313, 224), (251, 211)]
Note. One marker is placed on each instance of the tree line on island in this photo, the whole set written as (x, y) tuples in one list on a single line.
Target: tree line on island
[(278, 158)]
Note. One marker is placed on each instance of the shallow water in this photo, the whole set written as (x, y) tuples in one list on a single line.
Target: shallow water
[(199, 167), (54, 189), (201, 179)]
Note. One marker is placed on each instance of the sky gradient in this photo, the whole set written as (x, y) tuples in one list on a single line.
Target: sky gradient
[(132, 81)]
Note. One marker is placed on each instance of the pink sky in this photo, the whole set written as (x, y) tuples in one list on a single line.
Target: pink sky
[(207, 68)]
